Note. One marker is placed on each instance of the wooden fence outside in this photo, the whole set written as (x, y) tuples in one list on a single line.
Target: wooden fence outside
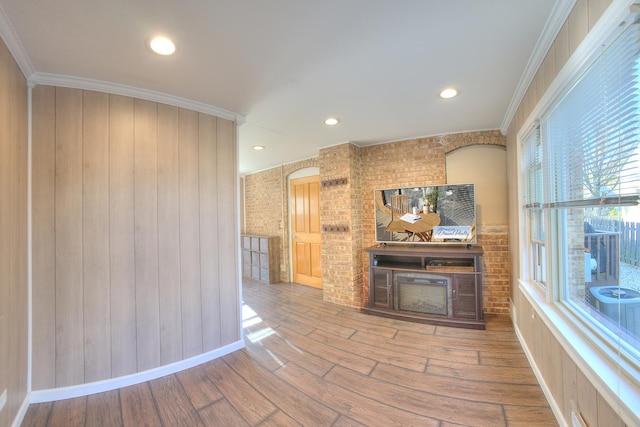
[(629, 236)]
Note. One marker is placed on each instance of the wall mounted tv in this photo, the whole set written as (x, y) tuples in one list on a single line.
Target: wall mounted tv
[(433, 214)]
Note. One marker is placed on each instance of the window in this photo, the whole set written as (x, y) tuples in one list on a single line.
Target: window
[(532, 166), (582, 175)]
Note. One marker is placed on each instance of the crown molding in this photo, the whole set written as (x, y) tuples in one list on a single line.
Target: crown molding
[(610, 23), (559, 15), (134, 92), (10, 37)]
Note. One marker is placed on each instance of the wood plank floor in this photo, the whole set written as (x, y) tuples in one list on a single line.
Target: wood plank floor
[(311, 363)]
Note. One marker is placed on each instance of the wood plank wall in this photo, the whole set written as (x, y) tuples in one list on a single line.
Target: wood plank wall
[(131, 202), (13, 235)]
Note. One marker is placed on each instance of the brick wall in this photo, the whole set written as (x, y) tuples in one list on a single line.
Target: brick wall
[(266, 206), (496, 287), (419, 161), (342, 205)]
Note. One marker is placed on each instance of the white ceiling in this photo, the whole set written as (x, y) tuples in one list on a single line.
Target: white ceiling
[(285, 65)]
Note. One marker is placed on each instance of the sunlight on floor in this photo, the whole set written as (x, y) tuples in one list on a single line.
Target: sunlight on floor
[(251, 318)]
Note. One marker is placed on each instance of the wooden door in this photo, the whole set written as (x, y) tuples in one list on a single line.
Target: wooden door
[(306, 233)]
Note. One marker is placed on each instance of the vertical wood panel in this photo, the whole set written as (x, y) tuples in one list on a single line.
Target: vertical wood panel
[(569, 377), (5, 284), (121, 236), (314, 207), (146, 234), (68, 212), (5, 174), (13, 232), (561, 48), (555, 373), (190, 234), (227, 169), (43, 237), (209, 232), (578, 23), (587, 399), (596, 9), (95, 226), (169, 235), (19, 307), (128, 201)]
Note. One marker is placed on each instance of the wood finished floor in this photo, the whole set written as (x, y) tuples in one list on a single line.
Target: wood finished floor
[(311, 363)]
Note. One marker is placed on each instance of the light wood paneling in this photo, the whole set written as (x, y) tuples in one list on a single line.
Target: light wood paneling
[(95, 236), (227, 223), (127, 203), (68, 218), (561, 47), (578, 22), (43, 235), (121, 237), (169, 235), (13, 232), (146, 233), (209, 253), (596, 9), (587, 399), (189, 234)]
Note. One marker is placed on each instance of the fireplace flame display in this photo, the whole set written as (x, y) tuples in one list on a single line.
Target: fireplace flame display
[(422, 293)]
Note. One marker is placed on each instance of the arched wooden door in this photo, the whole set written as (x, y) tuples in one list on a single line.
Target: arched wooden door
[(306, 232)]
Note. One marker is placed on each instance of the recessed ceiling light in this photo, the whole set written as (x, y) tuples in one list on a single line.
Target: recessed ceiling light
[(162, 45), (448, 93), (331, 121), (258, 147)]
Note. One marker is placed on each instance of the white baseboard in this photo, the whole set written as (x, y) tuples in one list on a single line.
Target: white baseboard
[(17, 421), (70, 392)]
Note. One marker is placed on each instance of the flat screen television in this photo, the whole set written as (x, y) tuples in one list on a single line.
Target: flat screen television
[(432, 214)]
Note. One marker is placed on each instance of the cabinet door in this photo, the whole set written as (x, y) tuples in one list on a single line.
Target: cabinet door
[(381, 288), (465, 301)]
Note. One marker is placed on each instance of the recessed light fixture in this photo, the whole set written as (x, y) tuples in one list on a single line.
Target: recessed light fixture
[(331, 121), (258, 147), (448, 93), (162, 46)]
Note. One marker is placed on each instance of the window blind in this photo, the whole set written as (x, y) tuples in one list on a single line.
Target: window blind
[(591, 136), (532, 166)]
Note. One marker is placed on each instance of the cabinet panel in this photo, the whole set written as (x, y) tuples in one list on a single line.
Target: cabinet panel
[(264, 260), (381, 288), (430, 284), (464, 296), (260, 258)]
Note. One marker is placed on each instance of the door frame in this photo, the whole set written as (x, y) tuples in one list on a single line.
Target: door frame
[(300, 173)]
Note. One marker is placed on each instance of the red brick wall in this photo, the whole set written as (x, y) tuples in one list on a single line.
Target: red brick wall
[(342, 205), (496, 286), (344, 259), (266, 206)]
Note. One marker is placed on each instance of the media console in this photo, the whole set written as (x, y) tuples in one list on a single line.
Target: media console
[(440, 285)]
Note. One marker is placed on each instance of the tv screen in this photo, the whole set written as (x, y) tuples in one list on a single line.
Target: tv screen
[(433, 214)]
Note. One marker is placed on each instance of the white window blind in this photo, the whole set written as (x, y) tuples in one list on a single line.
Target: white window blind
[(591, 136), (532, 166)]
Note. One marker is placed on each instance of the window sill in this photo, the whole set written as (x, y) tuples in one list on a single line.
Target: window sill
[(616, 380)]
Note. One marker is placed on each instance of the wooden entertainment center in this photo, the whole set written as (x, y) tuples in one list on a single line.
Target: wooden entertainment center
[(437, 284)]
